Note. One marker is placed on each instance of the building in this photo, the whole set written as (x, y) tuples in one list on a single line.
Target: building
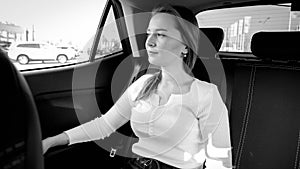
[(239, 24), (10, 32)]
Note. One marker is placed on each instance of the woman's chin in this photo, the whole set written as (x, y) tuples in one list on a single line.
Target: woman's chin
[(154, 61)]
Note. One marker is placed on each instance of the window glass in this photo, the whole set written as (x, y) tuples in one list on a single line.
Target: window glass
[(28, 45), (110, 40), (63, 26), (239, 24)]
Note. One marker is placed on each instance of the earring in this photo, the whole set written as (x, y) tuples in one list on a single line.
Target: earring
[(184, 54)]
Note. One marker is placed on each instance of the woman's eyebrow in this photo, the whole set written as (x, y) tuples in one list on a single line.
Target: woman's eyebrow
[(159, 29)]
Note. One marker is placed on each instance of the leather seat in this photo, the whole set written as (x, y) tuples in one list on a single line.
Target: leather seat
[(20, 143), (210, 43), (264, 116)]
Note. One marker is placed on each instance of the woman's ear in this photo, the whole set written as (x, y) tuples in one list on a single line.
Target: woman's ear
[(184, 51)]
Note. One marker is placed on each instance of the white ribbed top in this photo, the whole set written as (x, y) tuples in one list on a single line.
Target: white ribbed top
[(172, 133)]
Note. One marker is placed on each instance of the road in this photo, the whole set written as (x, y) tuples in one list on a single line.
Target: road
[(40, 64)]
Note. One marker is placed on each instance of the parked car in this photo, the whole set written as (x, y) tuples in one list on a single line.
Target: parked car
[(257, 73), (24, 52)]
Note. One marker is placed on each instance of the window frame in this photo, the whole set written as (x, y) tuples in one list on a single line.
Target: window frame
[(121, 28)]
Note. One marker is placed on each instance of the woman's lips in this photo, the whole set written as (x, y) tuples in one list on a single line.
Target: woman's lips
[(152, 52)]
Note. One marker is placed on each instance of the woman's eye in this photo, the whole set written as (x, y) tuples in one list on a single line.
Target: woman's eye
[(155, 34), (160, 35)]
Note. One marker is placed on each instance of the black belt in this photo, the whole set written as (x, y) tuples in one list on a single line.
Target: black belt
[(147, 163)]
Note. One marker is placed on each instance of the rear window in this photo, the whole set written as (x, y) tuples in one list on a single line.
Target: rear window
[(63, 47), (28, 45), (239, 24)]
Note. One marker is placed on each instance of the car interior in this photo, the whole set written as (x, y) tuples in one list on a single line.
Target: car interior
[(21, 145), (260, 90)]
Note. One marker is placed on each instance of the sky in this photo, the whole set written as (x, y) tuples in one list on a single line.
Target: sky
[(55, 20)]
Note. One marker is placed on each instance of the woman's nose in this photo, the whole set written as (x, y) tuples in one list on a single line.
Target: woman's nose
[(150, 41)]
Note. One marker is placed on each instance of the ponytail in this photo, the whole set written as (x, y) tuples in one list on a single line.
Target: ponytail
[(150, 86)]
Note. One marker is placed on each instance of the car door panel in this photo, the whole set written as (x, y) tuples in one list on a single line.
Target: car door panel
[(48, 52), (33, 52), (55, 94)]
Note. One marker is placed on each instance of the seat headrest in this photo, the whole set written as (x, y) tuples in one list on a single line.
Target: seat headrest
[(276, 45), (214, 34)]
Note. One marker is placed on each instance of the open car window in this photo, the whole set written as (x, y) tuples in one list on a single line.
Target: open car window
[(48, 34), (240, 23)]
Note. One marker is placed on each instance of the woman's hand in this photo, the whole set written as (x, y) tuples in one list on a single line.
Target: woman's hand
[(57, 140), (47, 143)]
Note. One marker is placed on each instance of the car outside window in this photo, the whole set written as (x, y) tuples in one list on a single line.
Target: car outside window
[(239, 24), (62, 24)]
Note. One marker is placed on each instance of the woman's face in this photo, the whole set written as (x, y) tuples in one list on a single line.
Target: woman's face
[(164, 43)]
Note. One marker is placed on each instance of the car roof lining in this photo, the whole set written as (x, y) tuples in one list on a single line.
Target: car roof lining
[(197, 6)]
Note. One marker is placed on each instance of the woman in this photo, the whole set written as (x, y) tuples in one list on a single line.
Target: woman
[(180, 121)]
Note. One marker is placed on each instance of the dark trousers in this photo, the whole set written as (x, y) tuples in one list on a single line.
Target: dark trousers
[(148, 163)]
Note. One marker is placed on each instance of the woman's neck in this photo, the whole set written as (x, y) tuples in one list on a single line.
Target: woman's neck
[(175, 75)]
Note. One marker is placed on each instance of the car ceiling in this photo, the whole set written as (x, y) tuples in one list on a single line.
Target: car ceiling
[(199, 5)]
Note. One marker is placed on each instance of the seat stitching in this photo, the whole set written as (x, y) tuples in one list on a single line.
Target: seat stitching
[(246, 117), (297, 152), (242, 130)]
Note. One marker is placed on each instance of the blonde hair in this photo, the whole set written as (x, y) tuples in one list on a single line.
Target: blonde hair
[(188, 26)]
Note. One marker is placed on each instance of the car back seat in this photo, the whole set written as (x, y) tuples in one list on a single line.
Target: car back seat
[(211, 39), (209, 68), (265, 109), (21, 137)]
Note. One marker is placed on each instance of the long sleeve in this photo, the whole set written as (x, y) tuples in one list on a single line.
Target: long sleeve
[(103, 126), (216, 131)]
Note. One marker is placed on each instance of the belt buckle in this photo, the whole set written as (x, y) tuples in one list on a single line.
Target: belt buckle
[(147, 162), (112, 152), (144, 162)]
